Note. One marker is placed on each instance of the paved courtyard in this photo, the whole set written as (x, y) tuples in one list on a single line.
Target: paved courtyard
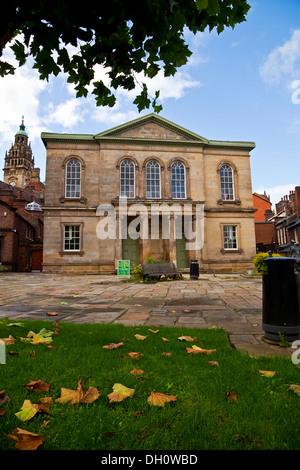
[(232, 302)]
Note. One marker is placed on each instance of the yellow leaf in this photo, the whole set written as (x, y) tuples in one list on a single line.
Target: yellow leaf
[(159, 399), (267, 373), (140, 337), (153, 331), (29, 410), (120, 392)]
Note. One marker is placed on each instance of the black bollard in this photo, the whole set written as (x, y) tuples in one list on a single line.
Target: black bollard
[(281, 299), (194, 269)]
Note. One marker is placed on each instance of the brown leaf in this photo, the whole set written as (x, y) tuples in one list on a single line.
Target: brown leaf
[(2, 412), (159, 399), (9, 340), (135, 355), (3, 397), (165, 340), (213, 363), (186, 338), (32, 353), (25, 440), (295, 389), (51, 314), (136, 372), (113, 346), (78, 396), (231, 396), (13, 353), (166, 354), (153, 331), (45, 423), (108, 434), (197, 350), (120, 392), (38, 386), (47, 400)]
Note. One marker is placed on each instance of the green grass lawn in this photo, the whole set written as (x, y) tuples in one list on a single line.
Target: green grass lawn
[(265, 414)]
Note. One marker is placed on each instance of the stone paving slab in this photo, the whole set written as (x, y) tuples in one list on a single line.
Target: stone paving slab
[(232, 302)]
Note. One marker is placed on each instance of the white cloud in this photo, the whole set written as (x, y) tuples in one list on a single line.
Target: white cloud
[(170, 87), (277, 192), (283, 62), (19, 96), (113, 116), (67, 114)]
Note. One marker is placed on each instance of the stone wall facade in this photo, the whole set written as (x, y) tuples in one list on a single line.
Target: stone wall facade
[(148, 139)]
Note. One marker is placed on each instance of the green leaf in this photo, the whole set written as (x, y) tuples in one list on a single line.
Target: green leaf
[(201, 5)]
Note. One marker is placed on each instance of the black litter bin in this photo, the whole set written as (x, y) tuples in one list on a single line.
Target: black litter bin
[(194, 269), (281, 299)]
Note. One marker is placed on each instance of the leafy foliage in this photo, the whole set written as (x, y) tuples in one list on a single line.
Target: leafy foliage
[(260, 265), (126, 38)]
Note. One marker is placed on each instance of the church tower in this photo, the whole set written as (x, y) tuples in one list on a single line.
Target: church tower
[(19, 162)]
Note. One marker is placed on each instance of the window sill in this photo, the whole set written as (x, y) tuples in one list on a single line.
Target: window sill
[(63, 199), (238, 251), (64, 253), (226, 201)]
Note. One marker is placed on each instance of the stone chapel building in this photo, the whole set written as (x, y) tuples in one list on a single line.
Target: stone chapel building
[(152, 162)]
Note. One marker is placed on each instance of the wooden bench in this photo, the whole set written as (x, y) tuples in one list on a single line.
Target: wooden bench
[(157, 270)]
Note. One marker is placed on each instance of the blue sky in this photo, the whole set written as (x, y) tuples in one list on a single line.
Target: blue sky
[(241, 85)]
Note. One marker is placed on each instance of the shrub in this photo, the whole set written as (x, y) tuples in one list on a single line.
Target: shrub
[(260, 265), (137, 273), (3, 269)]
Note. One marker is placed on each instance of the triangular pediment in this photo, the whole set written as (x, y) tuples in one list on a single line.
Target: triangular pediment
[(151, 127)]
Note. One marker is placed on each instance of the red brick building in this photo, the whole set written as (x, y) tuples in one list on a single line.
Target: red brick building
[(21, 229), (21, 213), (287, 225), (264, 227)]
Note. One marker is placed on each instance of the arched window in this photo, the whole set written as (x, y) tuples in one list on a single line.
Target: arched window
[(73, 179), (152, 179), (178, 180), (226, 177), (127, 177)]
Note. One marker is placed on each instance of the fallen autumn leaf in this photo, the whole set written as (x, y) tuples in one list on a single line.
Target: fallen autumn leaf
[(159, 399)]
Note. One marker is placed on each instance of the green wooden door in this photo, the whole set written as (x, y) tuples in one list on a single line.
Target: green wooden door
[(181, 253), (130, 250)]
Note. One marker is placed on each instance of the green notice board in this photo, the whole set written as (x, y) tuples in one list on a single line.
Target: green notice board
[(124, 268)]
